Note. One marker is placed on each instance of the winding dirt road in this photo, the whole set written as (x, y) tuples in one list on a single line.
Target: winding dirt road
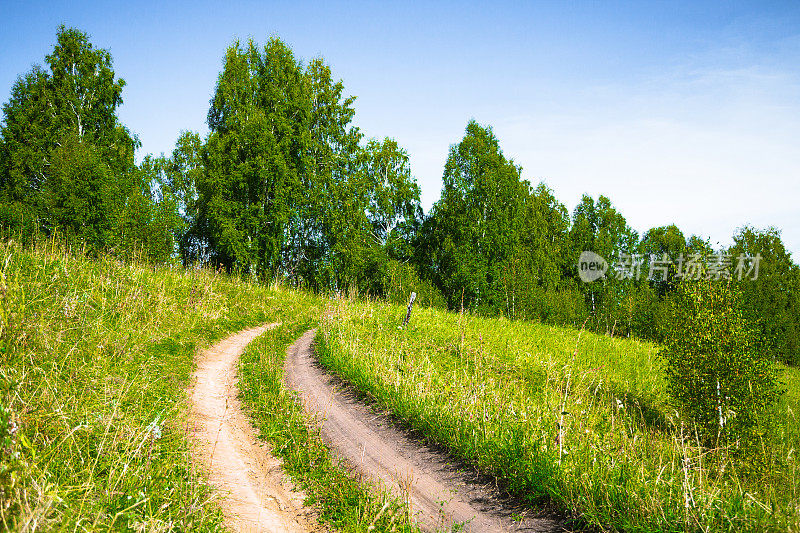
[(440, 494), (254, 496)]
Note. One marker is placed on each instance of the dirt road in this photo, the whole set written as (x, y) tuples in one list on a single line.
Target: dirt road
[(440, 495), (254, 497)]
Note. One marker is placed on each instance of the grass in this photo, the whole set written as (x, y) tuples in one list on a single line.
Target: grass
[(344, 502), (96, 357), (96, 360), (562, 416)]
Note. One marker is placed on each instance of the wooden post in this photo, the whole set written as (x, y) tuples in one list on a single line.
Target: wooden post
[(410, 305)]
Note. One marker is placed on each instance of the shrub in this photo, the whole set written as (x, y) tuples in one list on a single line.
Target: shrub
[(400, 279), (18, 221), (717, 377)]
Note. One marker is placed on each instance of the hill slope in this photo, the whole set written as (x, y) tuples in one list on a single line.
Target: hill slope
[(561, 415), (97, 357)]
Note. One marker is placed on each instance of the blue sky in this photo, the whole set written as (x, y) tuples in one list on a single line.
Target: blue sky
[(684, 112)]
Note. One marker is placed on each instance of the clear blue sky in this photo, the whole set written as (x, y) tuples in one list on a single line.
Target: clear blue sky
[(681, 111)]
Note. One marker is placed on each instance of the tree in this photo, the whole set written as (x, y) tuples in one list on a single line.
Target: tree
[(255, 157), (27, 139), (696, 245), (65, 159), (490, 236), (79, 194), (394, 195), (598, 227), (329, 230), (716, 375), (665, 243), (151, 222), (176, 182), (285, 187), (663, 240), (772, 301)]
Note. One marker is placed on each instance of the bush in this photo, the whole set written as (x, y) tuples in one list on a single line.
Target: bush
[(717, 376), (18, 221), (559, 306), (400, 279)]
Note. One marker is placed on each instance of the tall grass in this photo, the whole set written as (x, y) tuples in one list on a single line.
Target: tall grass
[(96, 357), (562, 416)]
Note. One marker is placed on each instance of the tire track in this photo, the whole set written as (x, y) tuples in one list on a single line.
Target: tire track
[(223, 441), (440, 495)]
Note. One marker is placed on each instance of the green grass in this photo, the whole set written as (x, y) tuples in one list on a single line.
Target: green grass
[(96, 361), (561, 416), (96, 358), (343, 501)]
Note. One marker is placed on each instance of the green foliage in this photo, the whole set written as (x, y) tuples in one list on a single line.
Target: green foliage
[(401, 279), (696, 245), (19, 221), (717, 377), (254, 158), (393, 193), (598, 227), (564, 306), (772, 302), (67, 164), (178, 185), (284, 187), (663, 240), (79, 195), (491, 236), (150, 222), (610, 305)]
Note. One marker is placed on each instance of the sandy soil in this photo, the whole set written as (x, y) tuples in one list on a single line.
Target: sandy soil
[(255, 496), (440, 493)]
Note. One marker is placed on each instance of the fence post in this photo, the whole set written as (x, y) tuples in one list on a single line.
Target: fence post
[(410, 305)]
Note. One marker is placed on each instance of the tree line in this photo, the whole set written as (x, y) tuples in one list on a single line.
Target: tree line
[(286, 187)]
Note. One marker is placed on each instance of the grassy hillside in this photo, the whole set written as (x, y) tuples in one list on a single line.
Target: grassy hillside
[(564, 416), (96, 359)]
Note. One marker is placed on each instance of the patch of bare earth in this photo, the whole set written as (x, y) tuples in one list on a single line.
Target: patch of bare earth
[(255, 497), (440, 494)]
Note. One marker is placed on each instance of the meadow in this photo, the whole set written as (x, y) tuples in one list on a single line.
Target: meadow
[(96, 360), (564, 417), (97, 356)]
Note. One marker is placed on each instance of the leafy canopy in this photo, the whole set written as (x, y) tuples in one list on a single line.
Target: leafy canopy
[(66, 162)]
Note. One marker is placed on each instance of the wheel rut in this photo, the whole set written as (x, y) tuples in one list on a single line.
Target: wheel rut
[(441, 496), (254, 495)]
